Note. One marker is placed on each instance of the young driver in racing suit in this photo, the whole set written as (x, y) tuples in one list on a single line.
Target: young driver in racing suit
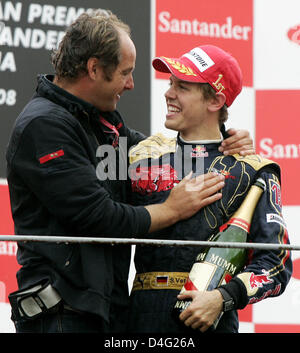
[(203, 83)]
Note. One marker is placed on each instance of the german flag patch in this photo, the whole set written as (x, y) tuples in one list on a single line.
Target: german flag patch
[(162, 280)]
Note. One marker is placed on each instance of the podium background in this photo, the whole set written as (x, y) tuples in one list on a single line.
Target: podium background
[(264, 36)]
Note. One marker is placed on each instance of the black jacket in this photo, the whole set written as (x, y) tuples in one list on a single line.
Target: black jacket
[(52, 159)]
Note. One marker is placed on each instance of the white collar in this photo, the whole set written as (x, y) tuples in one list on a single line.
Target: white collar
[(203, 142)]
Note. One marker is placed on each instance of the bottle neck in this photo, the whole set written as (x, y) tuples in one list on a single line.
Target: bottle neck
[(243, 216)]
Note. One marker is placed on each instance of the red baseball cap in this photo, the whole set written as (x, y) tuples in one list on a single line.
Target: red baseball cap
[(206, 64)]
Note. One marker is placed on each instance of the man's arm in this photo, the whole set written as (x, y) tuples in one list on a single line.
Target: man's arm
[(268, 271), (267, 274), (70, 190)]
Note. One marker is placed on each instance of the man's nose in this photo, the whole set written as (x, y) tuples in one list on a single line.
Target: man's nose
[(130, 83), (170, 93)]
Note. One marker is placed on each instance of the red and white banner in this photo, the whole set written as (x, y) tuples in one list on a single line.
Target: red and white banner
[(277, 135), (264, 36), (8, 249), (8, 262)]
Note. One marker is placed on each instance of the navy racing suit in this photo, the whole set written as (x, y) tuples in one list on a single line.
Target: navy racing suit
[(156, 165)]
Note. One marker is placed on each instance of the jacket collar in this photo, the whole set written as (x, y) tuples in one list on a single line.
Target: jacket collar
[(76, 106)]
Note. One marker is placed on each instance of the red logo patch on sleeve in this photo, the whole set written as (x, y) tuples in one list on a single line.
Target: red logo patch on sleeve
[(50, 156)]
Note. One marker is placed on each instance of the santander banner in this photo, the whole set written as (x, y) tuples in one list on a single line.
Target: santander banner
[(181, 26), (277, 136)]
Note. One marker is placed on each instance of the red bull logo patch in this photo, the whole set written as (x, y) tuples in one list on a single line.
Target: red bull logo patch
[(199, 151), (258, 281), (254, 281)]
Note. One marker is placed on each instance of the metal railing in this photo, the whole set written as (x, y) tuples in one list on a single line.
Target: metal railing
[(155, 242)]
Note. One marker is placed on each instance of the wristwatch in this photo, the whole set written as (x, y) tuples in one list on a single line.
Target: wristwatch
[(228, 302)]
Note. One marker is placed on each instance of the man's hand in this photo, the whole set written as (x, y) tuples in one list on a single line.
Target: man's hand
[(239, 142), (204, 309), (192, 194), (187, 198)]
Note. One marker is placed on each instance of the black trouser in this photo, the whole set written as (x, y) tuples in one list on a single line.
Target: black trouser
[(63, 321)]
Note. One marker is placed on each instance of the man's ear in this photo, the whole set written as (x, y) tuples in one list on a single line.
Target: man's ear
[(217, 103), (93, 67)]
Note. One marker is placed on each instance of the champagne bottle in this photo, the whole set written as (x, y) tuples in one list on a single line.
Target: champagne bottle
[(216, 266)]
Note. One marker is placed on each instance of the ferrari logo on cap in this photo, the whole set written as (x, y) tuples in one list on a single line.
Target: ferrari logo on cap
[(218, 84)]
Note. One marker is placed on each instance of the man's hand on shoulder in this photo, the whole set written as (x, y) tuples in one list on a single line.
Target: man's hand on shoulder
[(239, 142)]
